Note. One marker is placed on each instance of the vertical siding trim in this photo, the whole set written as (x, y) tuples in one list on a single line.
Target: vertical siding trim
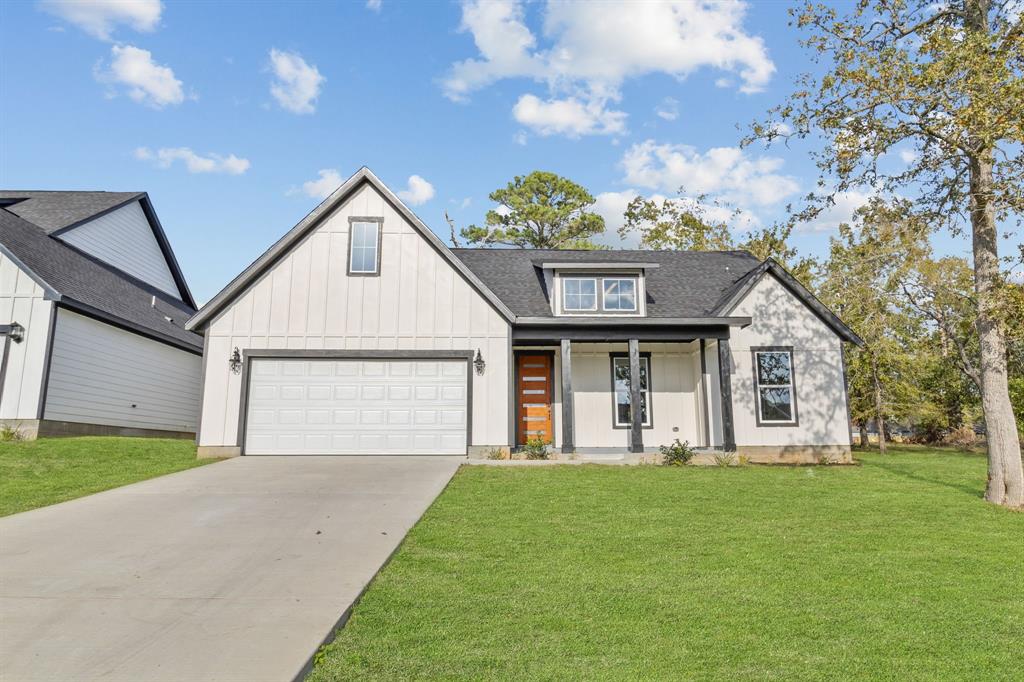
[(44, 385)]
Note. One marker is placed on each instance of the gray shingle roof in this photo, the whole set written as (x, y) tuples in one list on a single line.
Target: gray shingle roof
[(685, 283), (54, 211), (86, 284)]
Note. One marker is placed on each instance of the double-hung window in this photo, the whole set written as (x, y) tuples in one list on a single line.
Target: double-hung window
[(776, 388), (621, 382), (364, 248), (619, 294), (579, 294)]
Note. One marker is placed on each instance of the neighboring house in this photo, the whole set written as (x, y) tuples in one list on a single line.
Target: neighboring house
[(93, 308), (359, 332)]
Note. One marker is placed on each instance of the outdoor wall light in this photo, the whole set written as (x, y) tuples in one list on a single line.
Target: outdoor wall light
[(17, 332), (479, 363), (235, 361)]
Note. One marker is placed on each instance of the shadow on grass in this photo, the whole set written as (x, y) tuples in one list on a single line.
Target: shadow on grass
[(891, 464)]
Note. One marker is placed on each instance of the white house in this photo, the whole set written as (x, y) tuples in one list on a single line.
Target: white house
[(360, 332), (93, 308)]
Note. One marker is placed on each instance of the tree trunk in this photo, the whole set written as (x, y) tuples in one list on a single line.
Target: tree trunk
[(879, 419), (864, 433)]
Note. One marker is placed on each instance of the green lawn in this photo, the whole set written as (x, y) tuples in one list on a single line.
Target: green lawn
[(896, 569), (41, 472)]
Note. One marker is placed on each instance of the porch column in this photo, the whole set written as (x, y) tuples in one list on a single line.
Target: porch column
[(636, 432), (725, 383), (704, 397), (568, 440)]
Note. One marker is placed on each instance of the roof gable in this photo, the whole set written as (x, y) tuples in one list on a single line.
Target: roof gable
[(59, 212), (292, 238)]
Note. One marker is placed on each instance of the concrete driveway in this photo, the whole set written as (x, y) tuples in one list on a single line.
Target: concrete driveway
[(233, 571)]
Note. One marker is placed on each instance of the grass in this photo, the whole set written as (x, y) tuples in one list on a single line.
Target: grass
[(49, 470), (896, 569)]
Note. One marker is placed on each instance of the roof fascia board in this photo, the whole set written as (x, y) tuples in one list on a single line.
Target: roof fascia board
[(620, 321), (593, 265), (801, 292), (283, 245), (165, 247), (120, 323), (49, 293)]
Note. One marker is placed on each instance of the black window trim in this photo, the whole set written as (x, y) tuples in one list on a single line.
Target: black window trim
[(644, 355), (754, 350), (352, 220)]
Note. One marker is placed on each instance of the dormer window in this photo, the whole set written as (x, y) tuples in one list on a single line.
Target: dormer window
[(620, 294), (579, 294)]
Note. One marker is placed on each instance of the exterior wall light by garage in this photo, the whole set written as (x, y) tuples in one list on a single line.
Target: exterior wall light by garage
[(235, 361), (478, 362), (16, 333)]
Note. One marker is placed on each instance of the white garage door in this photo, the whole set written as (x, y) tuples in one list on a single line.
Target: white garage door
[(356, 407)]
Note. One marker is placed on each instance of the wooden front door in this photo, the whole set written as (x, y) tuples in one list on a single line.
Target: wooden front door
[(534, 395)]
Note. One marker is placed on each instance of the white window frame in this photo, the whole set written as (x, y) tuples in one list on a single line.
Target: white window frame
[(566, 280), (604, 294), (645, 363), (791, 385), (375, 224)]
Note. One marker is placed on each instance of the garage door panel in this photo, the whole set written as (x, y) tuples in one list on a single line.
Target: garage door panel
[(320, 406)]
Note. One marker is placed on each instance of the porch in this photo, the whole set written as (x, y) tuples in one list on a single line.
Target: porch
[(578, 396)]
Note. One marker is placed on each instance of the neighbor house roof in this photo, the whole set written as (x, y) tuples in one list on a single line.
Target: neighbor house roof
[(55, 211), (81, 282), (684, 283)]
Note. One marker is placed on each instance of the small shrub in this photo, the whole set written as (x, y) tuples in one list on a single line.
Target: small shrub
[(495, 453), (10, 433), (725, 459), (536, 448), (676, 454), (962, 437), (743, 461), (827, 458)]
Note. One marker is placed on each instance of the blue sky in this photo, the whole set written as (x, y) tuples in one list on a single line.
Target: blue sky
[(229, 113)]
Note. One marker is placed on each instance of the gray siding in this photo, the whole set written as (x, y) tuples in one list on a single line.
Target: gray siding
[(100, 374), (125, 239)]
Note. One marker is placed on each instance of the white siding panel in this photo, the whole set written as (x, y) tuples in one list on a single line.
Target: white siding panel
[(100, 374), (307, 301), (780, 319), (125, 239), (21, 301)]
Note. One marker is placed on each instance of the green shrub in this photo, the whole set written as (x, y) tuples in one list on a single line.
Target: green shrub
[(10, 433), (496, 453), (536, 448), (725, 459), (676, 454)]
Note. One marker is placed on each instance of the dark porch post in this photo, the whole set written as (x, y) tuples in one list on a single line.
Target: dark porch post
[(725, 382), (636, 433), (568, 440)]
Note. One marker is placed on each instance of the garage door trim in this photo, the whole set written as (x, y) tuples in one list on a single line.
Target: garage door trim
[(249, 354)]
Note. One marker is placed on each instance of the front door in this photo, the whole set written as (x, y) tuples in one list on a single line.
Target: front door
[(534, 397)]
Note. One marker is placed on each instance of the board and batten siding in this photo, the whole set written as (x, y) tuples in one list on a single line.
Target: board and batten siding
[(780, 319), (124, 238), (21, 301), (307, 301), (100, 374)]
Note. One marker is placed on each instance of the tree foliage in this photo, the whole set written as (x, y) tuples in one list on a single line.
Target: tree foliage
[(540, 211), (945, 81)]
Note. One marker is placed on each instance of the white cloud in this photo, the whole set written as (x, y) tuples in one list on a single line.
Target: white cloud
[(521, 137), (591, 49), (908, 156), (846, 203), (419, 191), (373, 5), (725, 173), (146, 81), (296, 85), (99, 18), (195, 163), (668, 109), (569, 117), (462, 203), (328, 180), (612, 205)]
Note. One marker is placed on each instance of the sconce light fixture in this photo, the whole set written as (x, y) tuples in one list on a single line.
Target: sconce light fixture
[(17, 332), (235, 361), (478, 362)]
